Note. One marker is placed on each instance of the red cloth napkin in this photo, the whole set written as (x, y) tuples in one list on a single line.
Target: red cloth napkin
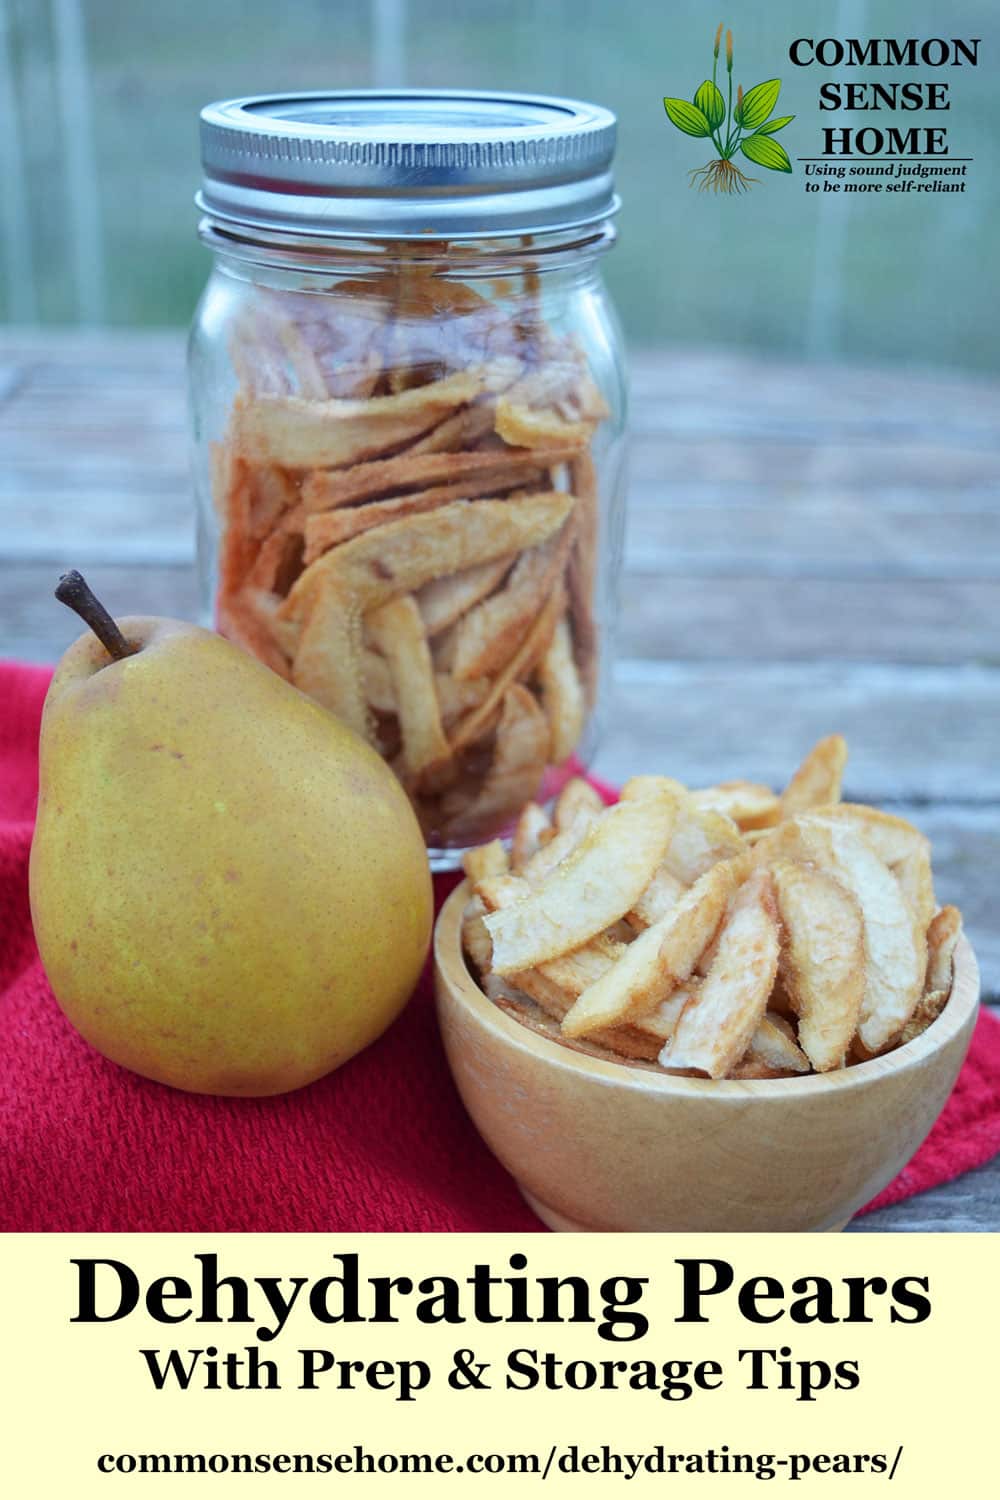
[(382, 1144)]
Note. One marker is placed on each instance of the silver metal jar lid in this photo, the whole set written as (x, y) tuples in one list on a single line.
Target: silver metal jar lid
[(406, 163)]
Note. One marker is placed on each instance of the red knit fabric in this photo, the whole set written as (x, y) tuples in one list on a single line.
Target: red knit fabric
[(382, 1144)]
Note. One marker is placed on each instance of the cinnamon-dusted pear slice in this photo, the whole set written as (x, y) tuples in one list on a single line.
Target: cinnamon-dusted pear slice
[(233, 491), (892, 838), (329, 663), (339, 587), (627, 1044), (899, 845), (475, 939), (454, 698), (541, 1005), (297, 345), (659, 960), (581, 575), (557, 402), (440, 323), (381, 478), (748, 803), (822, 960), (817, 780), (576, 796), (593, 888), (518, 669), (498, 888), (556, 983), (660, 1023), (895, 949), (489, 635), (927, 1010), (398, 632), (356, 375), (377, 680), (916, 881), (773, 1051), (661, 894), (445, 600), (562, 843), (520, 756), (461, 431), (332, 528), (239, 621), (577, 807), (942, 939), (279, 561), (562, 694), (537, 1011), (458, 698), (330, 353), (717, 1025), (486, 861), (405, 555), (273, 492), (533, 829), (538, 427), (258, 360), (304, 434), (701, 837), (265, 607), (561, 378)]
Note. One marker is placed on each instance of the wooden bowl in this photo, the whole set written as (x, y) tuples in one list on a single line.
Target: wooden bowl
[(595, 1145)]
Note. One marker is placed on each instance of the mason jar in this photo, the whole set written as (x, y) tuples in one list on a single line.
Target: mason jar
[(408, 405)]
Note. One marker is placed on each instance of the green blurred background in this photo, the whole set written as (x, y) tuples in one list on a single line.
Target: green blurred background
[(98, 134)]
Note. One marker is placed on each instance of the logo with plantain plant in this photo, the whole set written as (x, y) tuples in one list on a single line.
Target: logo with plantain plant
[(746, 128)]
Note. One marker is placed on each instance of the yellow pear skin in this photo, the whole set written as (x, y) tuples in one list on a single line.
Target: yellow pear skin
[(229, 888)]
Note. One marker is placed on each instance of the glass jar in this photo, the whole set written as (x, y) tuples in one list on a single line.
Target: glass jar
[(408, 405)]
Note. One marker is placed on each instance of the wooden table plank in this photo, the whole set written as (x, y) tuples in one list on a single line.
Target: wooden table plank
[(916, 733), (719, 458), (842, 539), (682, 618), (718, 386), (760, 490)]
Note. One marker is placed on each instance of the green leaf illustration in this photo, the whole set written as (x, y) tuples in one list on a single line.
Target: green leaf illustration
[(686, 117), (710, 101), (764, 152), (758, 103), (773, 126)]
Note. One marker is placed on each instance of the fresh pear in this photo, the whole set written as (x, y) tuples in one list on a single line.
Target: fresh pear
[(229, 888)]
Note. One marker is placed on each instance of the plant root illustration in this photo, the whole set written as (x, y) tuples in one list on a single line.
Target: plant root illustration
[(747, 127), (721, 177)]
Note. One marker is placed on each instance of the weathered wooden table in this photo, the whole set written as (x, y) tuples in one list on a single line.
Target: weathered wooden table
[(809, 549)]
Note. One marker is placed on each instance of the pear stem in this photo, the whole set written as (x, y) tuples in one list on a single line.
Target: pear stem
[(74, 591)]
